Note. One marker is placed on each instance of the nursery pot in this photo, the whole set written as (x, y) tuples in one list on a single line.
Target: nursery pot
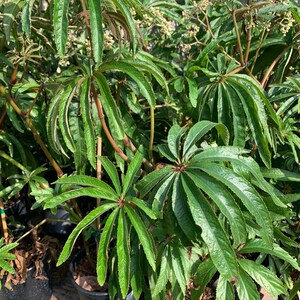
[(83, 293), (33, 289)]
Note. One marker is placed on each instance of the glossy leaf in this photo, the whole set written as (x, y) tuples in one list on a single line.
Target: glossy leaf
[(89, 133), (248, 195), (142, 206), (60, 23), (264, 277), (143, 234), (193, 90), (133, 169), (245, 287), (213, 234), (103, 255), (26, 17), (97, 39), (174, 136), (224, 290), (85, 222), (123, 252), (11, 9), (112, 172)]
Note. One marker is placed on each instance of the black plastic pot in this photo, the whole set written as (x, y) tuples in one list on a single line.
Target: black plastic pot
[(33, 289), (85, 294)]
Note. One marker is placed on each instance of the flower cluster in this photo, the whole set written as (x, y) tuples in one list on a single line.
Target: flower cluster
[(286, 22)]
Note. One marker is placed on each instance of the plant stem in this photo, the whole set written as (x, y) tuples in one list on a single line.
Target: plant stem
[(238, 38), (104, 126), (37, 137), (3, 220), (151, 141), (249, 37), (13, 162), (33, 228)]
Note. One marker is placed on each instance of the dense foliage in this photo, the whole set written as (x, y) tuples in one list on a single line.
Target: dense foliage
[(192, 110)]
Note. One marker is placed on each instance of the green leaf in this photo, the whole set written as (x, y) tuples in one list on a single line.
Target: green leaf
[(145, 185), (165, 151), (110, 106), (225, 201), (164, 273), (182, 210), (85, 222), (204, 274), (95, 11), (224, 290), (102, 258), (89, 192), (294, 290), (280, 174), (26, 17), (85, 180), (89, 134), (245, 287), (135, 74), (264, 277), (112, 172), (60, 23), (193, 91), (141, 205), (123, 252), (133, 169), (198, 131), (143, 234), (248, 195), (213, 234), (4, 265), (258, 246), (64, 124), (174, 135)]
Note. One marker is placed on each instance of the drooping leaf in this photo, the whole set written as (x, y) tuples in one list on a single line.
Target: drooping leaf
[(89, 133), (95, 11), (224, 290), (86, 221), (174, 135), (102, 257), (213, 234), (144, 236), (264, 277), (123, 253), (60, 23)]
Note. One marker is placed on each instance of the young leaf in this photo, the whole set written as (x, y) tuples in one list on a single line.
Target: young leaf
[(85, 222), (123, 252), (245, 287), (112, 172), (95, 11), (264, 277), (102, 257), (89, 134), (141, 205), (133, 169), (213, 234), (60, 23), (143, 234)]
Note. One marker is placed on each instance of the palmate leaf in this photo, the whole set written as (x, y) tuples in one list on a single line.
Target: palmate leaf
[(248, 195), (213, 234), (225, 201), (89, 133), (102, 257), (144, 236), (60, 23), (135, 74), (123, 252), (85, 222), (264, 277), (95, 11), (245, 287)]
